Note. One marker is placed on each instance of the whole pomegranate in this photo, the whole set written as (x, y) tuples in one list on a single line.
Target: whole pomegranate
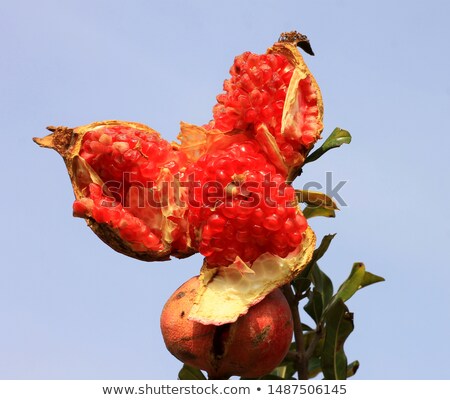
[(250, 347)]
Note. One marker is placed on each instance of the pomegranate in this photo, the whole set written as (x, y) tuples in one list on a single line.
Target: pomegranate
[(124, 177), (151, 199), (250, 347)]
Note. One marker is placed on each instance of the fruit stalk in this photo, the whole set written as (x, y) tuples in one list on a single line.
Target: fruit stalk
[(301, 361)]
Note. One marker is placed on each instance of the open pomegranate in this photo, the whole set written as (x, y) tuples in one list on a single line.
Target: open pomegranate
[(250, 347), (126, 183), (224, 191)]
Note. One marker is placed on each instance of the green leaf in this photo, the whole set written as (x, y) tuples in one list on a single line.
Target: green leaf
[(303, 281), (320, 296), (323, 247), (339, 325), (190, 373), (306, 328), (310, 212), (353, 282), (309, 337), (322, 283), (314, 306), (352, 368), (337, 138), (316, 199), (279, 371), (357, 279), (268, 377), (301, 284), (314, 367), (285, 370), (370, 279)]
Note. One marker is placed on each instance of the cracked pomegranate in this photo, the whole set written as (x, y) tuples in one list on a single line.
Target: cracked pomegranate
[(124, 177), (250, 347), (223, 191)]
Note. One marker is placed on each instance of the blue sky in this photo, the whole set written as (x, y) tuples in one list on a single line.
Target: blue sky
[(72, 308)]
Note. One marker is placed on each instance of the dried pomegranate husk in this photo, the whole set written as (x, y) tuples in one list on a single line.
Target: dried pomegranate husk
[(164, 225), (228, 292), (287, 125)]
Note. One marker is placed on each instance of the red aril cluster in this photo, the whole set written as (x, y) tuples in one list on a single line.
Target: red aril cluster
[(239, 206), (124, 156), (256, 94), (133, 165), (105, 210)]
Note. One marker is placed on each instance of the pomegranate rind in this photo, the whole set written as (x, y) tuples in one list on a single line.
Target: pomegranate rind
[(265, 333), (67, 142), (228, 292), (198, 140), (292, 107), (290, 50)]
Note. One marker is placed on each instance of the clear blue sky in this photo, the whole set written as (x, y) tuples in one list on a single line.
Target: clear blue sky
[(70, 307)]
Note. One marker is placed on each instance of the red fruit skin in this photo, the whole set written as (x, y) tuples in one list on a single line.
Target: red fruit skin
[(250, 347), (187, 340)]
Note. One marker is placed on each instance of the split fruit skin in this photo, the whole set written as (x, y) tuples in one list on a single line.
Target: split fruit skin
[(123, 176), (250, 347)]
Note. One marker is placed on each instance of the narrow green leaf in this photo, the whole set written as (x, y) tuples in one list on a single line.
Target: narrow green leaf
[(370, 279), (337, 138), (353, 282), (301, 284), (293, 346), (314, 306), (280, 371), (190, 373), (306, 328), (268, 377), (314, 367), (323, 247), (322, 283), (316, 199), (339, 325), (285, 370), (352, 368), (318, 347), (303, 281), (307, 338), (310, 212), (357, 279)]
